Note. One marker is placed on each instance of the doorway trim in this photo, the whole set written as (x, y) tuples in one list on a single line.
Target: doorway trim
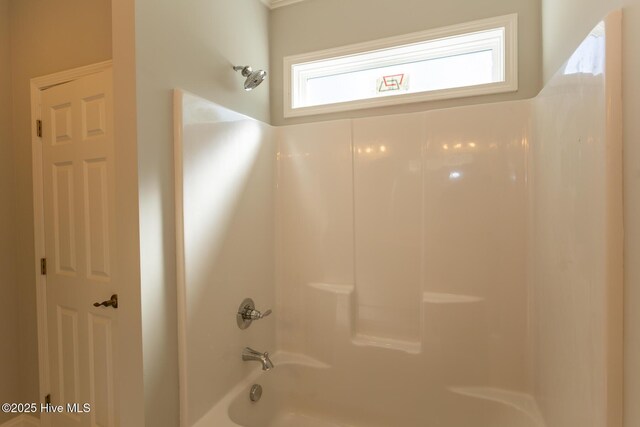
[(38, 85)]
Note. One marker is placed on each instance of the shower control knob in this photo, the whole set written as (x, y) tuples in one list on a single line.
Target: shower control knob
[(247, 313), (255, 314)]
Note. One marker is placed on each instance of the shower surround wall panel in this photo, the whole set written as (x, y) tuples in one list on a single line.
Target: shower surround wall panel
[(225, 162), (435, 283), (315, 217), (420, 182), (475, 295), (388, 222), (575, 164)]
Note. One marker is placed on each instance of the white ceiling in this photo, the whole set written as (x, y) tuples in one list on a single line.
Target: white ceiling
[(272, 4)]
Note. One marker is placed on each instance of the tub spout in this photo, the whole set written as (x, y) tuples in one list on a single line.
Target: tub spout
[(250, 354)]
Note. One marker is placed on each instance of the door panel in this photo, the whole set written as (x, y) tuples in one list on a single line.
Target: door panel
[(100, 369), (96, 199), (64, 218), (78, 182), (68, 368)]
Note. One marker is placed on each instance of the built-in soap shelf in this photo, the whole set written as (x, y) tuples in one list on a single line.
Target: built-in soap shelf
[(412, 347), (335, 288), (444, 298), (331, 315)]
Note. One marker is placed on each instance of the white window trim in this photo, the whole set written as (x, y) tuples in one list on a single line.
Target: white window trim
[(510, 84)]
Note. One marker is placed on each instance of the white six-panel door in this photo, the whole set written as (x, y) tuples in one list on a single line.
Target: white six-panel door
[(78, 183)]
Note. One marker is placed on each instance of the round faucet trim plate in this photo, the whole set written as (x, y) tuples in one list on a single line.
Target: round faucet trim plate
[(247, 313), (247, 305), (255, 393)]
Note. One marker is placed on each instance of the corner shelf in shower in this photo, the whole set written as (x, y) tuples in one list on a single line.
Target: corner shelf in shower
[(444, 298), (331, 311), (411, 347)]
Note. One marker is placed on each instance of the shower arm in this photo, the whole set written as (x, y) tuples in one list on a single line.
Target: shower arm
[(246, 69)]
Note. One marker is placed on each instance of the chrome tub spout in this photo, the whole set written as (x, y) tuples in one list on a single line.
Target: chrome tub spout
[(251, 354)]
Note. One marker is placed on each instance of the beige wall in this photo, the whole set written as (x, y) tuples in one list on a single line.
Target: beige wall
[(565, 23), (46, 37), (321, 24), (9, 386), (131, 397), (192, 48)]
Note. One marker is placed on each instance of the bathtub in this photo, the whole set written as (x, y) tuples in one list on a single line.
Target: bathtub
[(303, 392)]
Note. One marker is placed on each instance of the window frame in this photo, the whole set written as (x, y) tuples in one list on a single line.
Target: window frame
[(510, 83)]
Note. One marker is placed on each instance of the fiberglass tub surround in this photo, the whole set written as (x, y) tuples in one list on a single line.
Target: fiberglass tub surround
[(381, 298), (226, 203), (575, 168), (415, 271)]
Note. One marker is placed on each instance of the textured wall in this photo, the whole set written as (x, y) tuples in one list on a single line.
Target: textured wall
[(190, 47), (322, 24), (46, 37)]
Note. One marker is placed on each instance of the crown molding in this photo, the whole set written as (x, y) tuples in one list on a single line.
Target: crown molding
[(274, 4)]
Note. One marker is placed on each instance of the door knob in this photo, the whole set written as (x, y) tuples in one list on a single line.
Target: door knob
[(113, 302)]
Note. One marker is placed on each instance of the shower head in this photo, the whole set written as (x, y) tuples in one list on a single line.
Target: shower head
[(254, 78)]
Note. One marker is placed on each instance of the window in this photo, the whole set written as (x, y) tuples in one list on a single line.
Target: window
[(477, 58)]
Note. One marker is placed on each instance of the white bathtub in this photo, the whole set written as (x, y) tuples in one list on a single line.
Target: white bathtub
[(302, 392)]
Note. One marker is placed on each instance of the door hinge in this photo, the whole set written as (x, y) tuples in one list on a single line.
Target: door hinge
[(47, 399), (39, 128), (43, 266)]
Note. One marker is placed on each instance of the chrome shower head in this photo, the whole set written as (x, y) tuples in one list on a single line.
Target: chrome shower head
[(254, 78)]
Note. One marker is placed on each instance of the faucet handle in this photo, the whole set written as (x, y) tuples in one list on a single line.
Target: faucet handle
[(265, 314), (254, 314), (247, 313)]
